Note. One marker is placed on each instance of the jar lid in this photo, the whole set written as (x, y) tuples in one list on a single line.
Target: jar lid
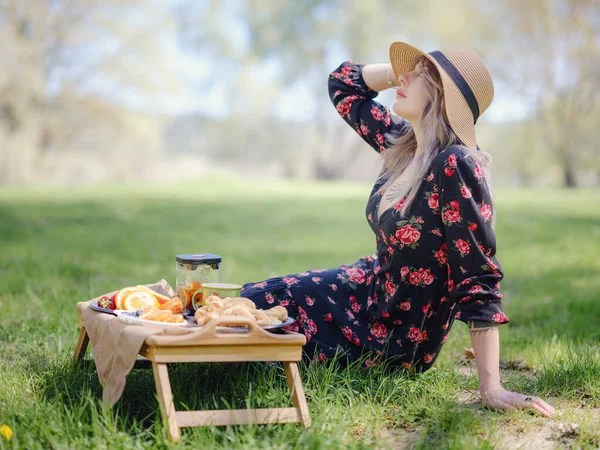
[(201, 258)]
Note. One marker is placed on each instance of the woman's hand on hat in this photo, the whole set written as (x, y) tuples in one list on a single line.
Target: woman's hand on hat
[(500, 398)]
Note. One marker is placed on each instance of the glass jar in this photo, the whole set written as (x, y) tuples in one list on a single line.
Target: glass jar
[(192, 271)]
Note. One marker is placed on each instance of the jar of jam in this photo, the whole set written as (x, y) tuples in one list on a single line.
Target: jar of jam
[(192, 271)]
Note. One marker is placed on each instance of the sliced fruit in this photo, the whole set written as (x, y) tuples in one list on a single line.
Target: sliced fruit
[(161, 298), (120, 295), (138, 299)]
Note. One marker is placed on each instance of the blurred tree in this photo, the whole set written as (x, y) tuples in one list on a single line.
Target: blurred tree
[(300, 41), (547, 52), (63, 64)]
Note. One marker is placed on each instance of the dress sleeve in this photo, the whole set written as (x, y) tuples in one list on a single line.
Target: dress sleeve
[(474, 273), (354, 102)]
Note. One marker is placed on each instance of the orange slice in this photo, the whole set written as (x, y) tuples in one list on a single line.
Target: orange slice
[(161, 298), (138, 299), (120, 295)]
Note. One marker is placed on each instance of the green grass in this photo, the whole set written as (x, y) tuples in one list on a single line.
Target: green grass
[(63, 245)]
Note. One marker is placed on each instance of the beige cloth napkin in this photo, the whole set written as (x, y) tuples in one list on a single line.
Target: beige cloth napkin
[(117, 345)]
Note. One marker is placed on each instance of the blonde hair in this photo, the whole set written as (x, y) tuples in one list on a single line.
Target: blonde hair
[(399, 156)]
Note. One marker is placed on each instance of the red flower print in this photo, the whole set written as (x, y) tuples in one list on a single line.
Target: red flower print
[(312, 326), (442, 257), (270, 298), (404, 271), (379, 138), (343, 108), (385, 314), (447, 171), (332, 301), (437, 232), (355, 307), (451, 216), (350, 315), (500, 318), (478, 171), (376, 113), (465, 299), (328, 317), (356, 275), (452, 161), (463, 247), (322, 357), (427, 277), (317, 280), (465, 192), (262, 284), (476, 289), (415, 278), (433, 201), (393, 240), (364, 129), (408, 234), (450, 285), (284, 303), (303, 315), (346, 71), (430, 177), (399, 204), (428, 358), (390, 288), (352, 299), (455, 205), (333, 287), (290, 281), (406, 365), (405, 306), (356, 341), (388, 120), (473, 226), (379, 330), (347, 333), (425, 308), (310, 301), (414, 334), (293, 327), (304, 274), (486, 211)]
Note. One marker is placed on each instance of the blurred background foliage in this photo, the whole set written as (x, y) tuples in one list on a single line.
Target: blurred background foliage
[(94, 90)]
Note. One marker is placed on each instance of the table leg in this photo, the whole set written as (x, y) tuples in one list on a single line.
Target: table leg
[(165, 398), (294, 383), (82, 344)]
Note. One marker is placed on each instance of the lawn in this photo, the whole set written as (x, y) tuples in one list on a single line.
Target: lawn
[(63, 245)]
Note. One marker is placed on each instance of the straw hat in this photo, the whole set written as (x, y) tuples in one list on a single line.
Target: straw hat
[(468, 86)]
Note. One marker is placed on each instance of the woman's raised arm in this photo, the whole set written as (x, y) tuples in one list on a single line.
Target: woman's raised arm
[(353, 98)]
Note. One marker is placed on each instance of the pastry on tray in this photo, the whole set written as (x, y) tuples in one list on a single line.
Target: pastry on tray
[(214, 307)]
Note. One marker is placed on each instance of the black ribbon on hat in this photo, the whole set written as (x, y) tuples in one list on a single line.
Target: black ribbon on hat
[(460, 82)]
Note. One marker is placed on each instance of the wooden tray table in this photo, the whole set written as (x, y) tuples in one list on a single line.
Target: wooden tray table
[(214, 343)]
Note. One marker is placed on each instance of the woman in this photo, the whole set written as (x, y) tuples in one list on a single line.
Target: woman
[(432, 215)]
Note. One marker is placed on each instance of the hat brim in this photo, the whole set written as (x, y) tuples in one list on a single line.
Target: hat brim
[(404, 58)]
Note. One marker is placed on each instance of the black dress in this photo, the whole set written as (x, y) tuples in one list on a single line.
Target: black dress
[(432, 266)]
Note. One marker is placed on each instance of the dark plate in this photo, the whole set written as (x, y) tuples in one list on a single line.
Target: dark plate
[(95, 307), (188, 315)]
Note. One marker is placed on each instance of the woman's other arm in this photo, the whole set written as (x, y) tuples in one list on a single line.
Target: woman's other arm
[(486, 346)]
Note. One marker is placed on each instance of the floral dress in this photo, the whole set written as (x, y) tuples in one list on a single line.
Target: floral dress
[(433, 265)]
